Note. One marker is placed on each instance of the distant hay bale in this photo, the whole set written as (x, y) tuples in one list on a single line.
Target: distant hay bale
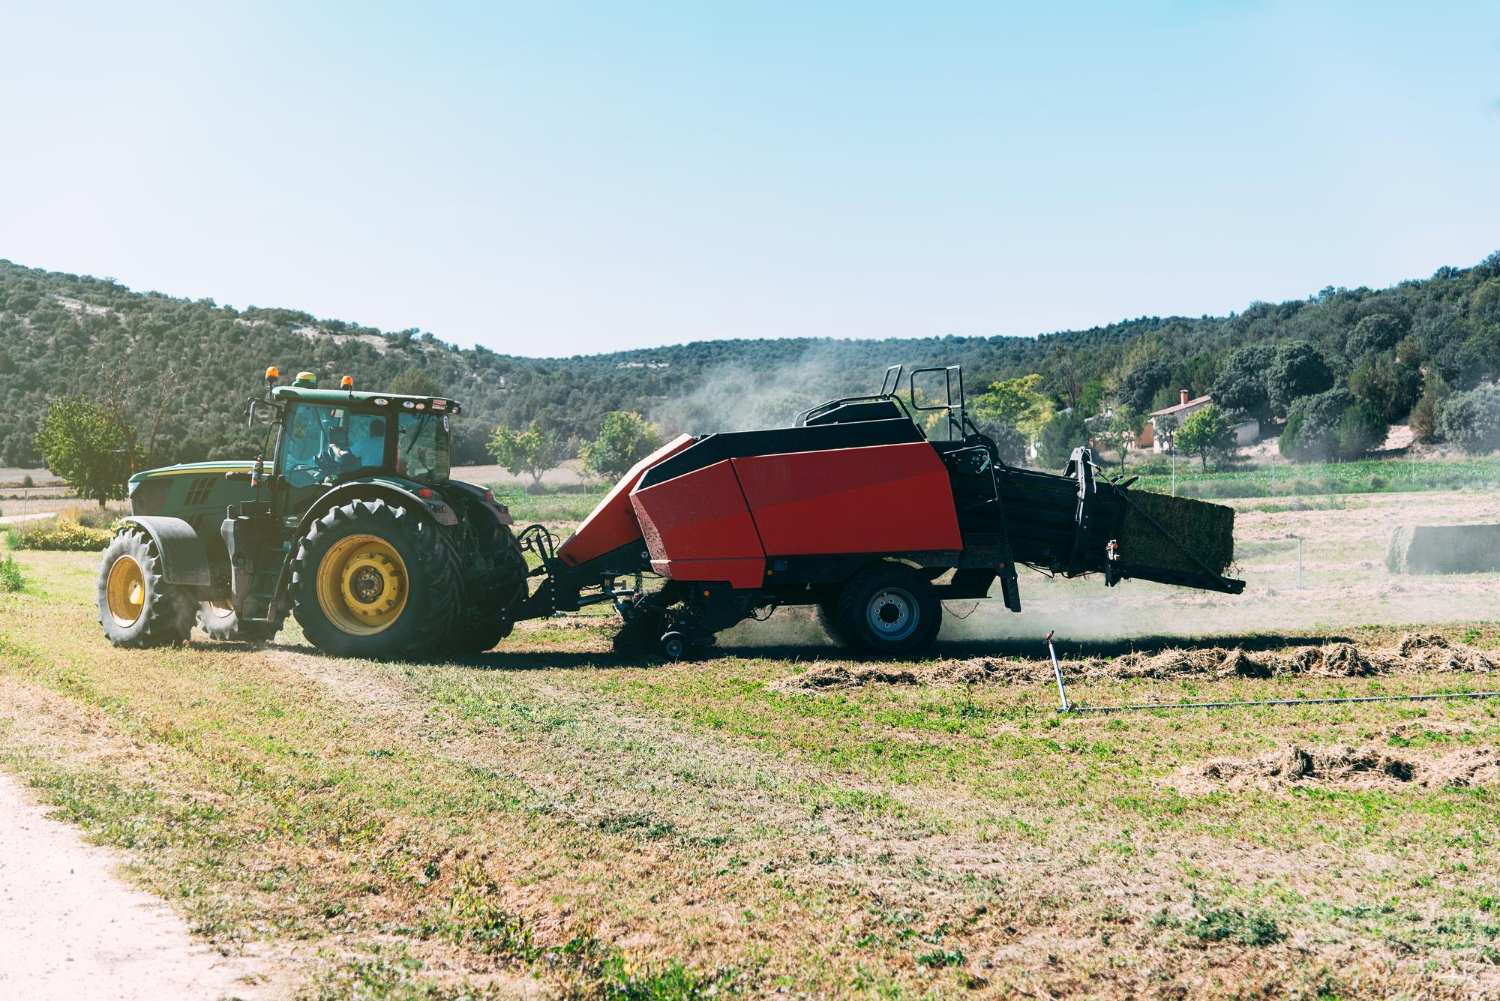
[(1428, 549), (1205, 529)]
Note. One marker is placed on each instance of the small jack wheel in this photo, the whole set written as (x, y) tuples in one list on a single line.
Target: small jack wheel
[(673, 646)]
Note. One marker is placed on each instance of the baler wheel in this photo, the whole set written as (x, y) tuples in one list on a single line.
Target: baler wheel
[(673, 646), (890, 610)]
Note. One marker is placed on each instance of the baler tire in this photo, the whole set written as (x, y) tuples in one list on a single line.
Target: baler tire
[(132, 568), (907, 593), (427, 573), (222, 622)]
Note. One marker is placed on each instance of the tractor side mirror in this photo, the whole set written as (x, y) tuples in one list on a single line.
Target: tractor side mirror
[(259, 412)]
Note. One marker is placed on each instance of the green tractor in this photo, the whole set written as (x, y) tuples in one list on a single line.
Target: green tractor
[(353, 527)]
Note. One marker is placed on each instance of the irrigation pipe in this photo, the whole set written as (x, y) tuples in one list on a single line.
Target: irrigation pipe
[(1067, 707)]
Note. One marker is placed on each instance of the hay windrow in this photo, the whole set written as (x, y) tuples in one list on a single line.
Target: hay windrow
[(1341, 764), (1417, 653)]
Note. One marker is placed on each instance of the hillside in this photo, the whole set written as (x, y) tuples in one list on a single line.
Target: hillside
[(183, 367)]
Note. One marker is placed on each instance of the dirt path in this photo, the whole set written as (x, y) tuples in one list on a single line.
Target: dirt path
[(71, 929)]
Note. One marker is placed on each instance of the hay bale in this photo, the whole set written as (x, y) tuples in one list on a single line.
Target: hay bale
[(1205, 529), (1430, 549)]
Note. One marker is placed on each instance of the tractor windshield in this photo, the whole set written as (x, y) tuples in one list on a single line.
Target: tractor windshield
[(323, 444), (422, 447)]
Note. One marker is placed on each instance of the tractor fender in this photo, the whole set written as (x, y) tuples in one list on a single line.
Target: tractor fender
[(183, 558), (434, 507)]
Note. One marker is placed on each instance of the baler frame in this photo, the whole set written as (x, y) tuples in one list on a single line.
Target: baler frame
[(1069, 525)]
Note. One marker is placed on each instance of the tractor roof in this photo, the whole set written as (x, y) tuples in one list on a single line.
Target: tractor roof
[(376, 401)]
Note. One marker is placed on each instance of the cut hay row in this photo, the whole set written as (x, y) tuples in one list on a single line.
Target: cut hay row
[(1417, 653)]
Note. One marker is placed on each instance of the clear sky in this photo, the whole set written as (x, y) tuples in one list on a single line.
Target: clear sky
[(558, 178)]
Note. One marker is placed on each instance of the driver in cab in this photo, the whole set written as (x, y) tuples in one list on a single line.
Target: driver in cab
[(355, 446)]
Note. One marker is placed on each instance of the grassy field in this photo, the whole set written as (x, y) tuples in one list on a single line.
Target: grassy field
[(546, 821), (1286, 479)]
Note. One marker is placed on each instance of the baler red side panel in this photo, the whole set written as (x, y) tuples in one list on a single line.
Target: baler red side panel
[(612, 523), (877, 499), (698, 527)]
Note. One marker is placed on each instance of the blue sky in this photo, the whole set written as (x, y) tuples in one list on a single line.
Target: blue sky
[(559, 178)]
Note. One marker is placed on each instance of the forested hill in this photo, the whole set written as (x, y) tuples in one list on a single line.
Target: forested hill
[(185, 367)]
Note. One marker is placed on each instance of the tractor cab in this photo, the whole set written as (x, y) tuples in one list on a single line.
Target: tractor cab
[(331, 436)]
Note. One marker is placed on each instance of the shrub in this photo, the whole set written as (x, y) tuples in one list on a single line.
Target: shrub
[(1317, 428), (1472, 420), (1424, 414), (1387, 385), (62, 536), (10, 575)]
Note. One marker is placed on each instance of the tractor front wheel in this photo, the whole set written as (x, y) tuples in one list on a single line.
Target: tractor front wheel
[(890, 610), (221, 622), (136, 607), (371, 579)]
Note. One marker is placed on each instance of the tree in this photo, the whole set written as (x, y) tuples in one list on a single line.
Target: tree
[(1425, 413), (1472, 420), (1387, 385), (1360, 429), (1142, 383), (1017, 402), (1242, 383), (1297, 370), (533, 451), (1063, 433), (1373, 335), (1332, 425), (1117, 430), (1205, 432), (414, 382), (624, 439), (89, 446)]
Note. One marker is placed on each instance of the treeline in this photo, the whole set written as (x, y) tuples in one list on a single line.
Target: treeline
[(181, 369)]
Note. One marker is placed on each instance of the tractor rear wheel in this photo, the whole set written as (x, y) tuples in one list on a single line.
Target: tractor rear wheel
[(371, 579), (221, 622), (890, 610), (481, 621), (136, 607)]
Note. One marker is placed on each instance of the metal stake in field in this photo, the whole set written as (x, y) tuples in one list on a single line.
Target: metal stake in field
[(1057, 670)]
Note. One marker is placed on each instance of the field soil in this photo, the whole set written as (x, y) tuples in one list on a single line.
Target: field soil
[(777, 818)]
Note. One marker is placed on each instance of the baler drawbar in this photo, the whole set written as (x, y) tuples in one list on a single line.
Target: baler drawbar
[(854, 510)]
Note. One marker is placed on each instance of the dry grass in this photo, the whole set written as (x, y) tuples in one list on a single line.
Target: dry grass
[(545, 820)]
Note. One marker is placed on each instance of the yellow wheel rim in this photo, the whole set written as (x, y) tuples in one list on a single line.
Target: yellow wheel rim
[(125, 592), (362, 584)]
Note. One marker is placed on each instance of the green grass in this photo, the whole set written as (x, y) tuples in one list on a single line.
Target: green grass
[(1285, 479), (546, 817), (556, 506)]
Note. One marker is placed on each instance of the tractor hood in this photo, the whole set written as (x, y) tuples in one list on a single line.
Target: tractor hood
[(195, 469)]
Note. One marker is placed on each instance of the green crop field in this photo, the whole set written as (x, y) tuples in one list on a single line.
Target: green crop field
[(546, 821), (1285, 479)]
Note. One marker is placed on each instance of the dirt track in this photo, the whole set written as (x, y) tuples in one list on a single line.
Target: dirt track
[(71, 929)]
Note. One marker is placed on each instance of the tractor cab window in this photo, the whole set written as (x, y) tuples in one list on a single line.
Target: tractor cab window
[(422, 447), (324, 444)]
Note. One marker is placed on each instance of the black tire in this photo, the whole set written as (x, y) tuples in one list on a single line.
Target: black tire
[(422, 593), (890, 610), (673, 646), (131, 570), (480, 622), (220, 621)]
